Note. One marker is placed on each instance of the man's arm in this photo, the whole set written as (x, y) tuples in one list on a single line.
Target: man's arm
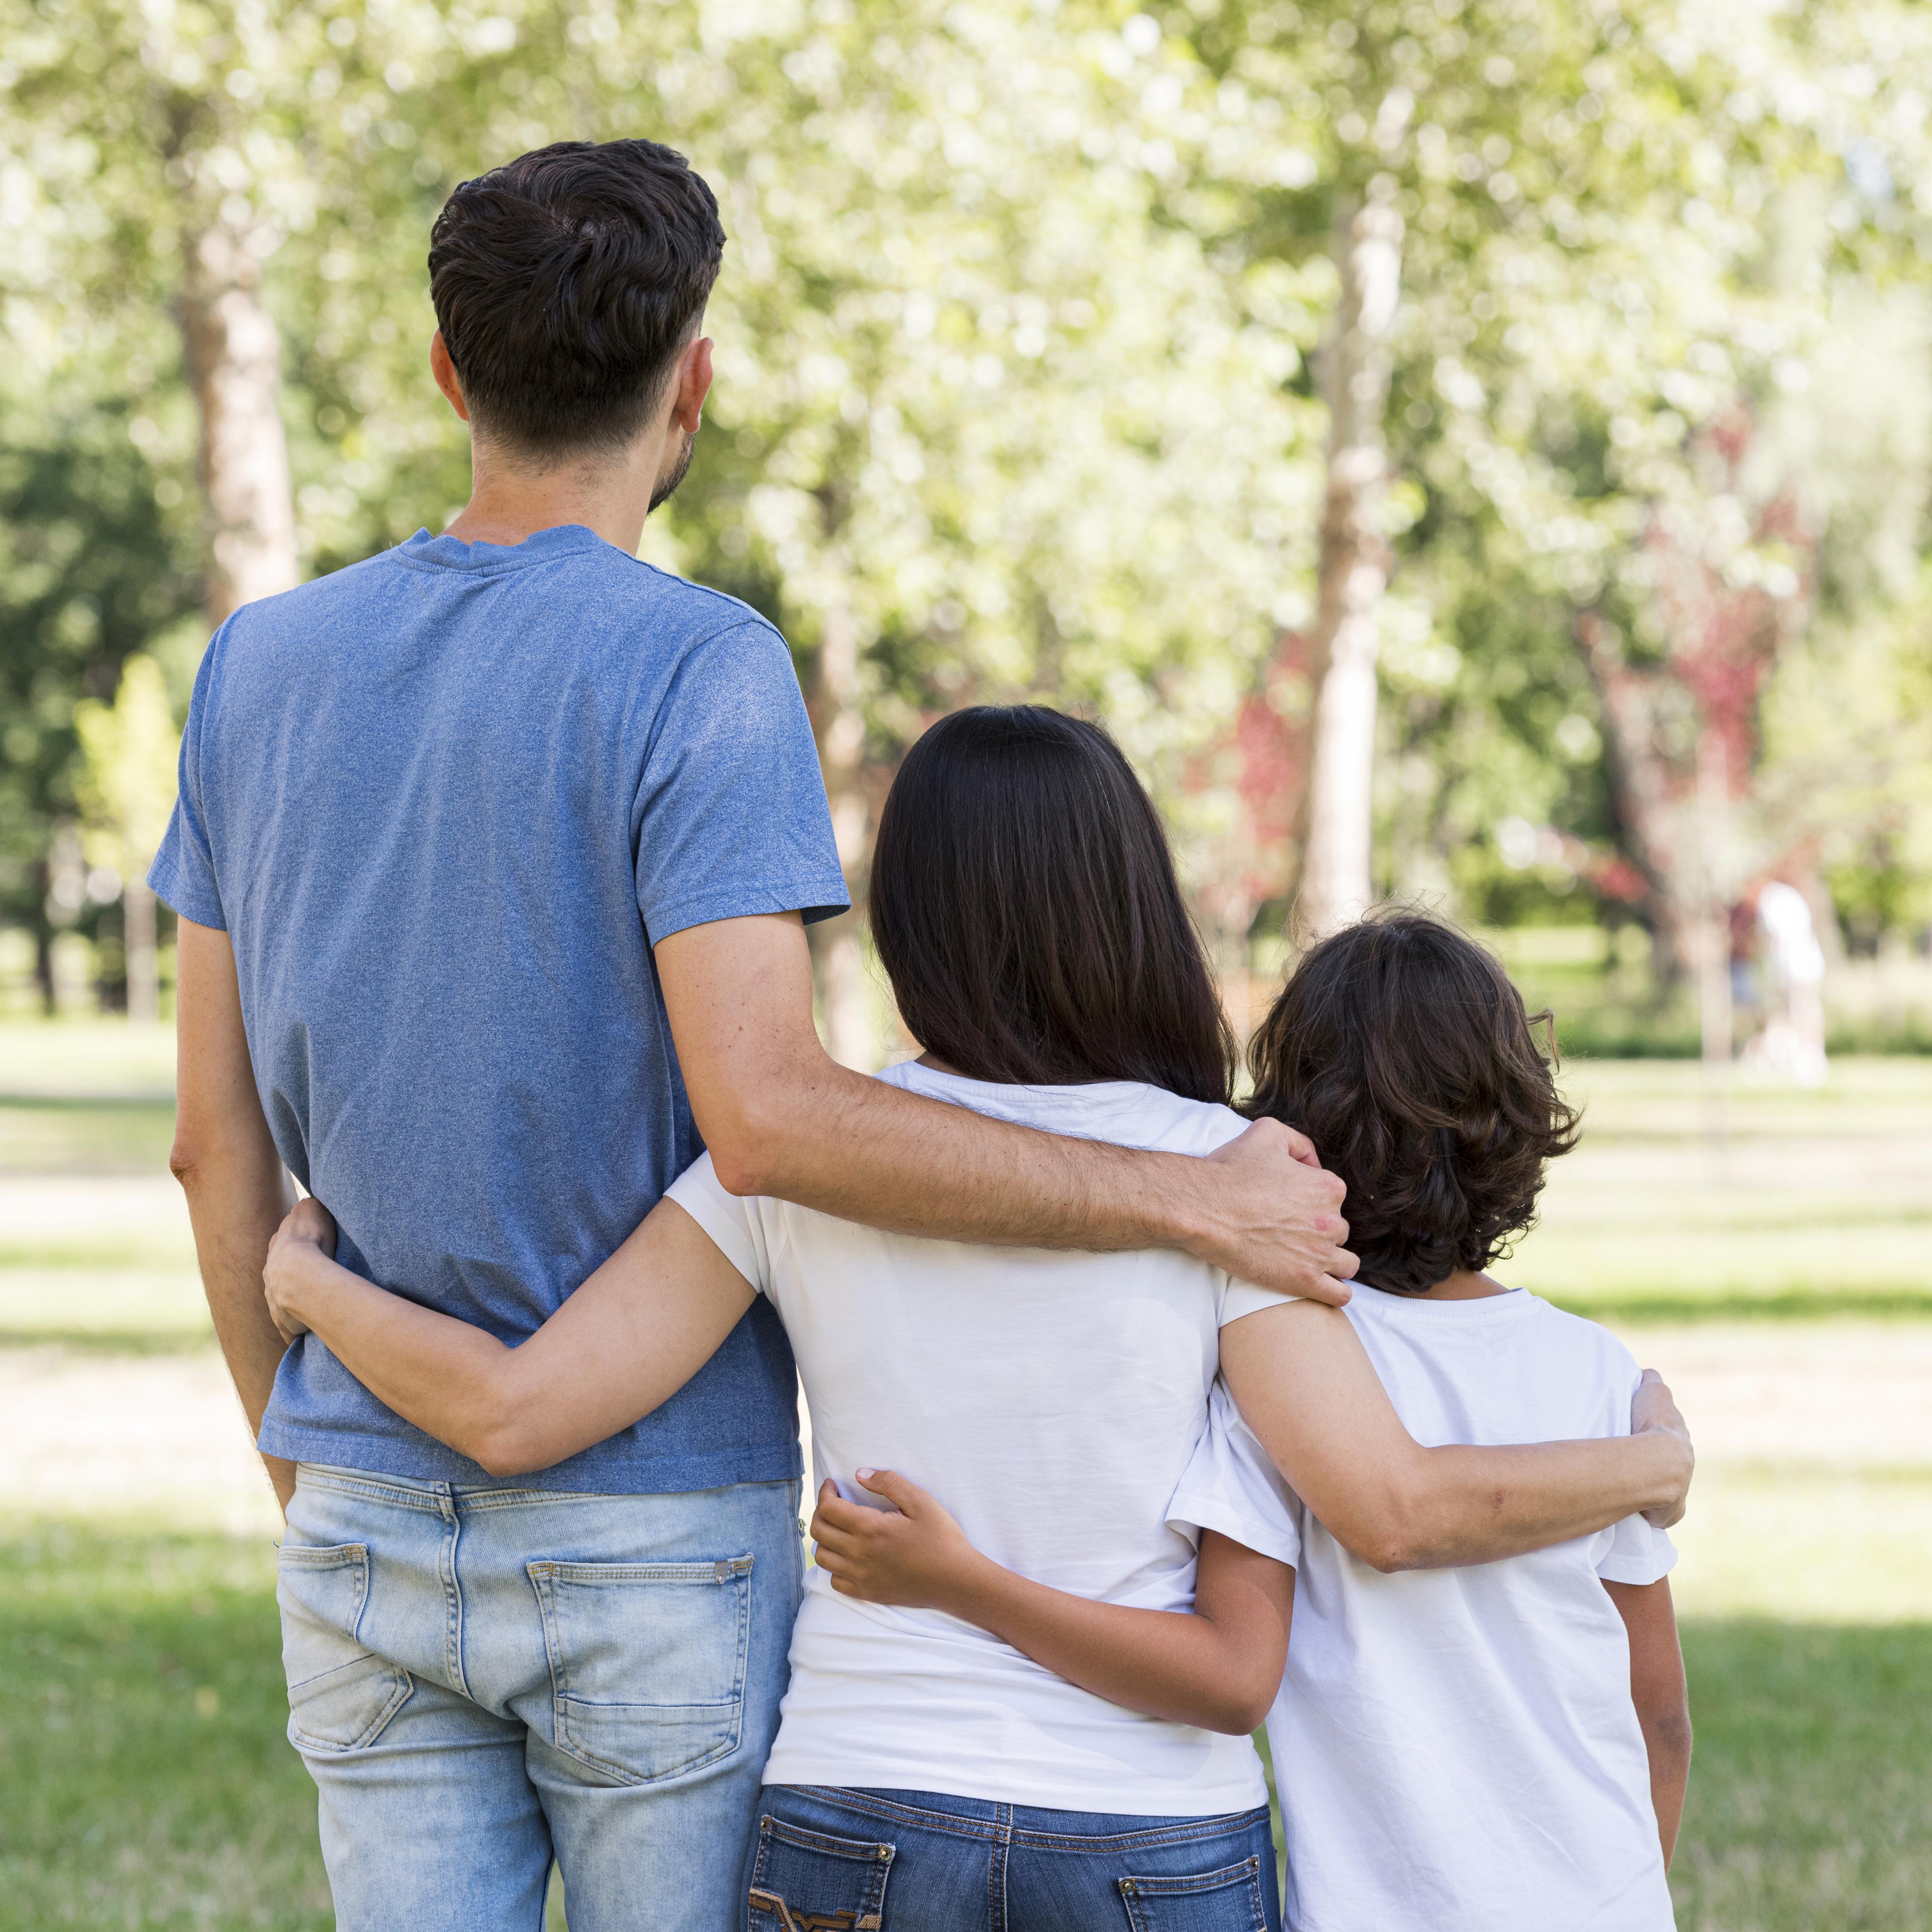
[(225, 1159), (780, 1116), (1663, 1704), (1305, 1385)]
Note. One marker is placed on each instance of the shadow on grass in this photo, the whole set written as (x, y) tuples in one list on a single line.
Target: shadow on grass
[(145, 1783), (1797, 1304), (116, 1135), (113, 1341), (1810, 1805)]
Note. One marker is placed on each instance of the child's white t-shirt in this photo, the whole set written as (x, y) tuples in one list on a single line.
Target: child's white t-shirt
[(1457, 1750), (1051, 1401)]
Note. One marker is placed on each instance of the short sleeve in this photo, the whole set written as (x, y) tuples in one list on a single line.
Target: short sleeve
[(730, 817), (183, 875), (1231, 1485), (1633, 1552), (1243, 1297), (732, 1220)]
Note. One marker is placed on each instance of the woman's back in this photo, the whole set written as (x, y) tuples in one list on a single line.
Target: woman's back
[(1051, 1401)]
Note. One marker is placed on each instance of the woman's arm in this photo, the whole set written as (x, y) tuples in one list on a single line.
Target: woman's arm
[(1663, 1704), (629, 1338), (1219, 1669), (1304, 1384)]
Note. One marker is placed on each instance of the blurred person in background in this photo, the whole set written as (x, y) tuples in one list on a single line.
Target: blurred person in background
[(1793, 1041), (492, 855)]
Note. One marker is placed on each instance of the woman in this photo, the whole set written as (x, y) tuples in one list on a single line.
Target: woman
[(926, 1773)]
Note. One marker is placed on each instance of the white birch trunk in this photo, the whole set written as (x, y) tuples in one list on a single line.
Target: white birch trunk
[(234, 356), (838, 945), (1336, 885)]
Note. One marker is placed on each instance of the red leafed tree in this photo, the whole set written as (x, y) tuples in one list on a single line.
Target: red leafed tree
[(1729, 581), (1262, 761)]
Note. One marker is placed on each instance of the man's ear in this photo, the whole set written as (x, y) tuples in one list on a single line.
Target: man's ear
[(447, 379), (693, 385)]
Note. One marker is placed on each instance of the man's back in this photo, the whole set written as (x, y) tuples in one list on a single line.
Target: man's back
[(445, 803)]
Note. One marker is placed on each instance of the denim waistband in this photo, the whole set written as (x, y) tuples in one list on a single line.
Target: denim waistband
[(985, 1819), (440, 1498)]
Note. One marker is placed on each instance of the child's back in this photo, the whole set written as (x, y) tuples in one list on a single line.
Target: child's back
[(1478, 1750), (1457, 1750)]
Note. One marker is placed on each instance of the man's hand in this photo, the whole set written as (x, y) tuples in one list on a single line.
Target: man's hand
[(1653, 1412), (913, 1555), (1274, 1216), (307, 1236), (780, 1118)]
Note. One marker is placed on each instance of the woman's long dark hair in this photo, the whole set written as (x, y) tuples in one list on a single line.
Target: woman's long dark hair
[(1024, 902)]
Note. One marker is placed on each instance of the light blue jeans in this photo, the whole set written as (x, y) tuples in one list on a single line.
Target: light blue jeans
[(481, 1680)]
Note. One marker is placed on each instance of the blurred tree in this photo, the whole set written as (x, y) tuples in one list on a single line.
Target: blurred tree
[(129, 749), (1585, 209), (98, 560)]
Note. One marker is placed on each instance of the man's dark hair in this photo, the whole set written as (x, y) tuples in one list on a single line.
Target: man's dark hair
[(565, 283), (1024, 905), (1400, 1048)]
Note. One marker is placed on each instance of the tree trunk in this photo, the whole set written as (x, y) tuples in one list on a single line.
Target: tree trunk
[(234, 356), (838, 945), (144, 963), (1336, 886)]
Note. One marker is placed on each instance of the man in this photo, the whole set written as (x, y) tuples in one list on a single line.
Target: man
[(493, 856)]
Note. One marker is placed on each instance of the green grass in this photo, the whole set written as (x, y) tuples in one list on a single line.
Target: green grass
[(1685, 1203), (1810, 1806), (145, 1783)]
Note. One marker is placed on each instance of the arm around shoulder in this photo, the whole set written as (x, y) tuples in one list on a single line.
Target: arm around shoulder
[(1305, 1386), (780, 1117)]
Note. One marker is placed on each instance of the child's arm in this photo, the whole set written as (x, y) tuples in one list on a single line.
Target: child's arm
[(1657, 1689), (1305, 1386), (630, 1337), (1219, 1669)]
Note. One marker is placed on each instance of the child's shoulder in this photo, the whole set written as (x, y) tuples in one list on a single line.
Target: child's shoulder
[(1590, 1354)]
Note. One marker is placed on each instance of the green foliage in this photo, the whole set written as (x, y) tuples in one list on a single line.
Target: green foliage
[(1015, 343)]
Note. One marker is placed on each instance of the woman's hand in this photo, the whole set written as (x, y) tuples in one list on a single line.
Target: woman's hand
[(306, 1237), (913, 1555), (1653, 1412)]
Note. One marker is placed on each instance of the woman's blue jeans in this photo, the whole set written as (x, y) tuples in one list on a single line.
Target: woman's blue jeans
[(845, 1861)]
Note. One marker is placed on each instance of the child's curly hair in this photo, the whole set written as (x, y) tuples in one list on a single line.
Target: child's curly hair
[(1403, 1052)]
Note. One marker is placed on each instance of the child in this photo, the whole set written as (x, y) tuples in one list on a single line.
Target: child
[(1502, 1748)]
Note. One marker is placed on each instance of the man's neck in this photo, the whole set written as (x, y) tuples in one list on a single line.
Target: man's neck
[(609, 495)]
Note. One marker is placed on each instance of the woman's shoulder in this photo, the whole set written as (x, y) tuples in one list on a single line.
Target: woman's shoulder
[(1127, 1112)]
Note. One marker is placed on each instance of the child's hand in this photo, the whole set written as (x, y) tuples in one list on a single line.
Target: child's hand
[(307, 1236), (913, 1555)]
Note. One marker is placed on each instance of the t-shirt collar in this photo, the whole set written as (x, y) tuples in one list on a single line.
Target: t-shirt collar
[(449, 553)]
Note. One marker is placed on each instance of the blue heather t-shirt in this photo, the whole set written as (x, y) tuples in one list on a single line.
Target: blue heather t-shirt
[(444, 802)]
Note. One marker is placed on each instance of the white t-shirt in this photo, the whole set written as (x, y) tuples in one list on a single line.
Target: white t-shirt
[(1051, 1402), (1457, 1749)]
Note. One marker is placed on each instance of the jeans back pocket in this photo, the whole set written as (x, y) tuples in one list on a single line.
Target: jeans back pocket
[(807, 1882), (646, 1662), (341, 1695), (1227, 1900)]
